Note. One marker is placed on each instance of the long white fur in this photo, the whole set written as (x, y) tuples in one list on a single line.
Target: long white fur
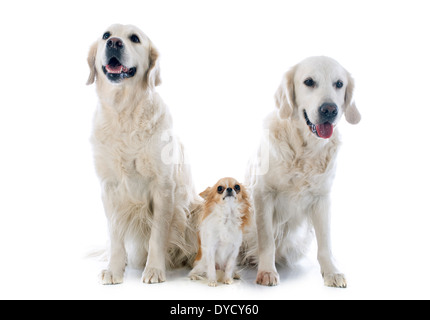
[(147, 189), (292, 174)]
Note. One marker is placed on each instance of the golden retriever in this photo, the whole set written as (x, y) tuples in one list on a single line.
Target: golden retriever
[(292, 174), (147, 189)]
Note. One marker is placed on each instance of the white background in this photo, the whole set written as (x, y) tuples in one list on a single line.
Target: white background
[(221, 62)]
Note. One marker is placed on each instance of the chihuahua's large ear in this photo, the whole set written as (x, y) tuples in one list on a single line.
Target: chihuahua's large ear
[(152, 77), (285, 95), (352, 115), (204, 194), (92, 63)]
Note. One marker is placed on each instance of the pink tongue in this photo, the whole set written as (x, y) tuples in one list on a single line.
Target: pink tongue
[(117, 69), (325, 130)]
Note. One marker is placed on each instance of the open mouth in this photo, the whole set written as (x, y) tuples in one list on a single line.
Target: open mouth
[(115, 71), (322, 130)]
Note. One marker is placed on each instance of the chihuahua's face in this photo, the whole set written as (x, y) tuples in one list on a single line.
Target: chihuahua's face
[(226, 189), (227, 194)]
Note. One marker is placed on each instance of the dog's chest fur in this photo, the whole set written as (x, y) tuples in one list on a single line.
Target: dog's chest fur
[(125, 141), (301, 165), (222, 227)]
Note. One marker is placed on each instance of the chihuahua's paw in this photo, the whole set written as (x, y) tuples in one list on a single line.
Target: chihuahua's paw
[(195, 276), (213, 283)]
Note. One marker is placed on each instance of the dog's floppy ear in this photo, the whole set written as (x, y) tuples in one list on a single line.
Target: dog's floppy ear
[(351, 112), (152, 77), (285, 95), (92, 63), (205, 193)]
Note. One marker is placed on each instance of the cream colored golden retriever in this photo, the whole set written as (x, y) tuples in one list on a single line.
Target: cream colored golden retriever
[(147, 190), (292, 174)]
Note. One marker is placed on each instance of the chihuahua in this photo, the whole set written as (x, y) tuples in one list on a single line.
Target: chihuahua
[(226, 212)]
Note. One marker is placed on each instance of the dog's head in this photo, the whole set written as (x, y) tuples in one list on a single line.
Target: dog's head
[(227, 193), (317, 91), (122, 54), (226, 189)]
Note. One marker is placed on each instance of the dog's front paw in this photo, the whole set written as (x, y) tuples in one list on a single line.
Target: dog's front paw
[(213, 283), (267, 278), (336, 280), (153, 275), (108, 277)]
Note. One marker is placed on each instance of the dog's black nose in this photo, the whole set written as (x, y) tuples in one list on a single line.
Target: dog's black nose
[(115, 43), (229, 190), (328, 111)]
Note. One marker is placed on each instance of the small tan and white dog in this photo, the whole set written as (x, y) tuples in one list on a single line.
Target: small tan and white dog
[(226, 212)]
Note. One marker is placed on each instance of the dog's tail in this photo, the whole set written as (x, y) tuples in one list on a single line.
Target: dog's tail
[(183, 234), (248, 254), (191, 231), (100, 253)]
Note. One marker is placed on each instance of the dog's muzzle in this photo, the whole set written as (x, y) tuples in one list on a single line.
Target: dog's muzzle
[(229, 193), (114, 70), (327, 116)]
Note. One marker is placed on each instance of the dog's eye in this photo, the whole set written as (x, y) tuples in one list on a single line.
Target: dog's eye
[(309, 82), (339, 84), (106, 35), (134, 38), (220, 189), (237, 188)]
